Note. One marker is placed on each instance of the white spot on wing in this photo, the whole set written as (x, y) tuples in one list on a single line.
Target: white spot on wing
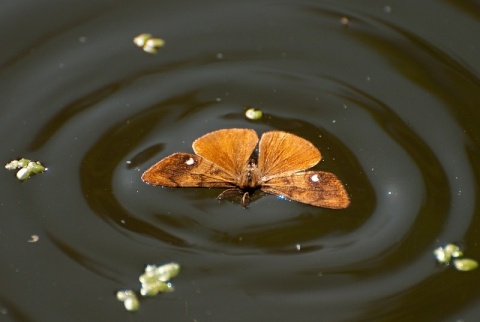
[(315, 178), (190, 161)]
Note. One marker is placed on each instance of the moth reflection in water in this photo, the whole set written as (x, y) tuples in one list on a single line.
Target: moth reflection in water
[(223, 159)]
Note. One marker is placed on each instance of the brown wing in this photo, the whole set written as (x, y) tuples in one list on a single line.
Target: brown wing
[(282, 153), (231, 149), (187, 170), (316, 188)]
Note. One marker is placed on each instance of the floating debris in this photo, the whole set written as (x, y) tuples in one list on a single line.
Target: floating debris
[(27, 168), (140, 40), (345, 21), (444, 256), (33, 239), (154, 280), (129, 299), (148, 43), (453, 250), (465, 264), (152, 45), (253, 114)]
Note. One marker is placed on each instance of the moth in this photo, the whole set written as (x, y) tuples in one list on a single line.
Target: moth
[(225, 159)]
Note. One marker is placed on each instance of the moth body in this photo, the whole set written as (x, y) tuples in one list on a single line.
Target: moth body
[(250, 178)]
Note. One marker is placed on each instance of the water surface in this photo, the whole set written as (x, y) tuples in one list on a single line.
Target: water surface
[(390, 96)]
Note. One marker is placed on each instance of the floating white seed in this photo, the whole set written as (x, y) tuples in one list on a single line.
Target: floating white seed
[(253, 114), (26, 167), (23, 162), (167, 271), (23, 174), (154, 287), (148, 44), (465, 264), (122, 295), (12, 165), (345, 21), (33, 239), (141, 39), (441, 256), (453, 250), (38, 168), (155, 278), (129, 299), (132, 304), (150, 50), (152, 45), (155, 43)]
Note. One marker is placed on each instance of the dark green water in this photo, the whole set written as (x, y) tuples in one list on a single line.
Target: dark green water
[(392, 100)]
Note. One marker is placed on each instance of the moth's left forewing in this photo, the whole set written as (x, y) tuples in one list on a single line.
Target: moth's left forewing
[(316, 188)]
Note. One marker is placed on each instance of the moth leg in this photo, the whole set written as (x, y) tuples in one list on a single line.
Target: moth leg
[(246, 199), (232, 192), (235, 192)]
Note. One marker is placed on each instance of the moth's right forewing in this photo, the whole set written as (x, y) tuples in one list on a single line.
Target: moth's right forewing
[(187, 170)]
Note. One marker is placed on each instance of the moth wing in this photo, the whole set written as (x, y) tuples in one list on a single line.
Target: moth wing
[(187, 170), (282, 153), (316, 188), (231, 149)]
